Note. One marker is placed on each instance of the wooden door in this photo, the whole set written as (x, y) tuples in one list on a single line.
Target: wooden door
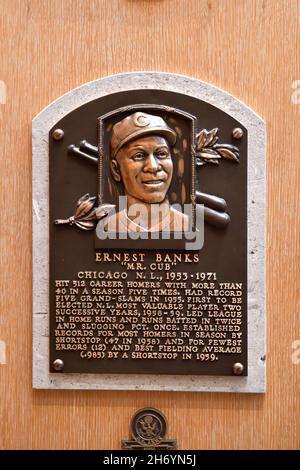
[(251, 49)]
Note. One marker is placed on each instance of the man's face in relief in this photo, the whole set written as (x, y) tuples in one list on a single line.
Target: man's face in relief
[(145, 167)]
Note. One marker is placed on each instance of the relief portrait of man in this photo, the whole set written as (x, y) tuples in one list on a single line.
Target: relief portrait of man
[(141, 159)]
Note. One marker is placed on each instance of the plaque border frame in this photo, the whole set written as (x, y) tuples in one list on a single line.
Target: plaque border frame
[(42, 378)]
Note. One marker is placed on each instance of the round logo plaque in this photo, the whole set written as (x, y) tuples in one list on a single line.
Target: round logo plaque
[(148, 427)]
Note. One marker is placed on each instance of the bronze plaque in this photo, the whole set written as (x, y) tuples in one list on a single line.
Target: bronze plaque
[(148, 237)]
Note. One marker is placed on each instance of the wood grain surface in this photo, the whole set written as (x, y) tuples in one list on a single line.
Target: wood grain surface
[(249, 48)]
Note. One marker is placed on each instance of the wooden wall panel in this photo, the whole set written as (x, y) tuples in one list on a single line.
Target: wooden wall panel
[(249, 48)]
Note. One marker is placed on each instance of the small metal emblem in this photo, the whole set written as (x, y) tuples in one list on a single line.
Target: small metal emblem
[(148, 430)]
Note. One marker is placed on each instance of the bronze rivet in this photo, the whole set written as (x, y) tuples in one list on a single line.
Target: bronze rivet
[(58, 365), (58, 134), (237, 133), (238, 368)]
